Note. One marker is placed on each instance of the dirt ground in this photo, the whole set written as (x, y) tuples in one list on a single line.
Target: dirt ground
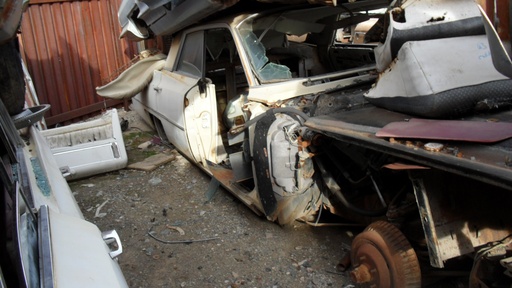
[(234, 248)]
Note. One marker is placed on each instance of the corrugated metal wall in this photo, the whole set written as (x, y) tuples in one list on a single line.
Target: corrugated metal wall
[(69, 47)]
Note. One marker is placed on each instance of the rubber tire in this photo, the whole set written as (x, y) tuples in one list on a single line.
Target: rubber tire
[(402, 262), (12, 89)]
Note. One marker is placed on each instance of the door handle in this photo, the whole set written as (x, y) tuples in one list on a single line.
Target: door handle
[(110, 237)]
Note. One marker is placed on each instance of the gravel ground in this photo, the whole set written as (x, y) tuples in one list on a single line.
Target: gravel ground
[(234, 248)]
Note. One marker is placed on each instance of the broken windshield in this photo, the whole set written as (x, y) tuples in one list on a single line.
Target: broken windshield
[(265, 71), (299, 43)]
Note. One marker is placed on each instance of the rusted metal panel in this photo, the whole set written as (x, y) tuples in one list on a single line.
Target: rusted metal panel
[(69, 47), (459, 214)]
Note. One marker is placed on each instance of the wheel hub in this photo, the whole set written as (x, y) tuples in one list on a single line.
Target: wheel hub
[(370, 266), (382, 257)]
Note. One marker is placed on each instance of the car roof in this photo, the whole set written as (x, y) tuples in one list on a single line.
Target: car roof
[(311, 13)]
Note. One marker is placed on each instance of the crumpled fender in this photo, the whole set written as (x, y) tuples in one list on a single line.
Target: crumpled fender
[(133, 79)]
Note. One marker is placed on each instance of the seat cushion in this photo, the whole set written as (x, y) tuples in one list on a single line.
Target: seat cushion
[(426, 20), (442, 78)]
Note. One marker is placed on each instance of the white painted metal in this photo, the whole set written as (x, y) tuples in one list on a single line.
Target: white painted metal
[(59, 198), (88, 148), (80, 256), (202, 126)]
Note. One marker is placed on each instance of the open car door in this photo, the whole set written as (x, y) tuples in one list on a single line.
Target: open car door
[(201, 122), (190, 110)]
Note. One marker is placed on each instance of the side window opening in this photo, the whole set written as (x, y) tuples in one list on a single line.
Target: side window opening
[(192, 55), (301, 57), (353, 45)]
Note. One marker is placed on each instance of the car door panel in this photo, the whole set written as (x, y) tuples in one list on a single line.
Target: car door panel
[(201, 123), (168, 93)]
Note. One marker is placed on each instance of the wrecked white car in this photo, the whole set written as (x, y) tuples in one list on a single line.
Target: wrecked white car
[(45, 240), (353, 110)]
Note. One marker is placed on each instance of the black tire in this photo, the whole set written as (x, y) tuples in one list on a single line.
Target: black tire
[(12, 87)]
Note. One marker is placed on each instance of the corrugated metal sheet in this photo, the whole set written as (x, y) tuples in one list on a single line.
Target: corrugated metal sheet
[(69, 47)]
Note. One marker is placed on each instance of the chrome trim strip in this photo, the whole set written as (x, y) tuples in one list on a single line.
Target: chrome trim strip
[(45, 248)]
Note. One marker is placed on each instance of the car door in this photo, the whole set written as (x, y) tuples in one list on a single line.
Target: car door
[(187, 102)]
